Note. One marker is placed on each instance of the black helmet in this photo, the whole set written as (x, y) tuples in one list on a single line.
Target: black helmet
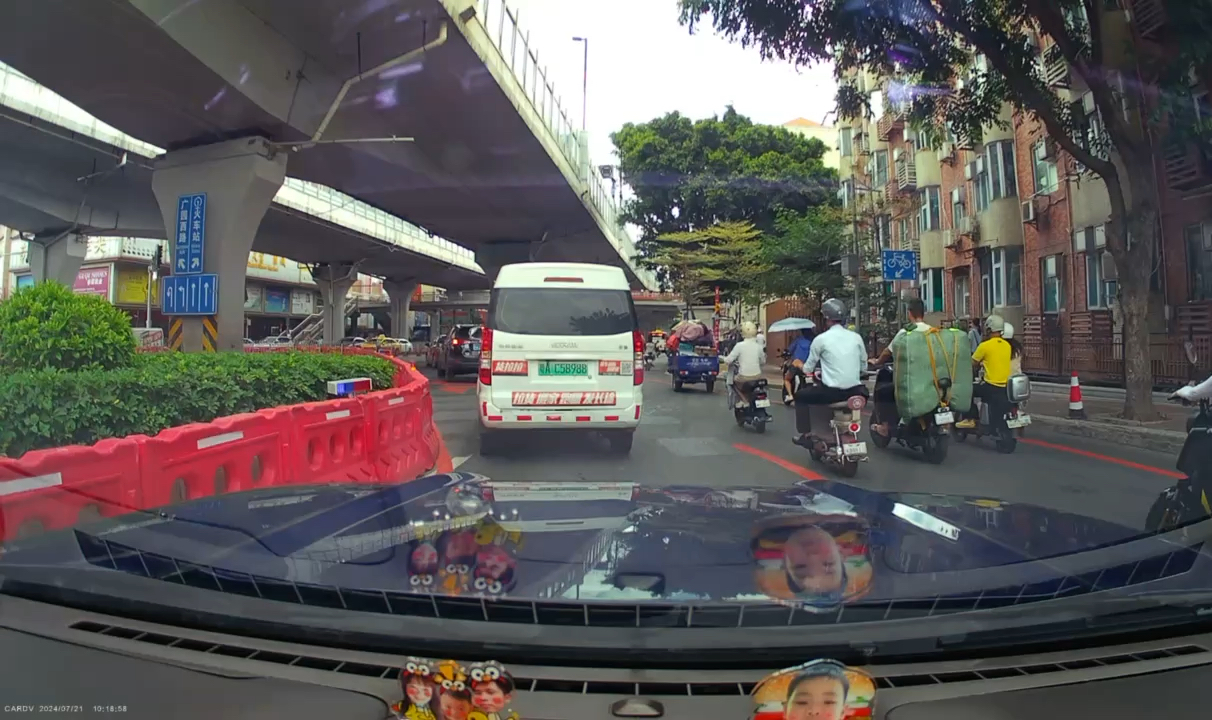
[(834, 310)]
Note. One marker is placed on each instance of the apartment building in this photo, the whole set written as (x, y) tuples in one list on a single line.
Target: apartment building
[(1016, 226)]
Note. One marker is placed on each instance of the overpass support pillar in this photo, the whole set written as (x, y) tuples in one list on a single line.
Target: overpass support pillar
[(334, 282), (492, 255), (399, 292), (240, 179), (57, 257)]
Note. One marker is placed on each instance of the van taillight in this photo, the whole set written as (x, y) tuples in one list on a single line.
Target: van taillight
[(638, 340), (486, 356)]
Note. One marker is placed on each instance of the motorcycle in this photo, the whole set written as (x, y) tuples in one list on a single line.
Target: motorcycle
[(797, 378), (649, 360), (841, 447), (755, 414), (1189, 499), (927, 433), (1011, 420)]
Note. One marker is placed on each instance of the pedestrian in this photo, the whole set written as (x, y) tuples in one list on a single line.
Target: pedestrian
[(974, 333)]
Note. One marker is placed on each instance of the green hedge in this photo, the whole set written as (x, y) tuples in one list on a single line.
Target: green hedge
[(49, 326), (52, 408)]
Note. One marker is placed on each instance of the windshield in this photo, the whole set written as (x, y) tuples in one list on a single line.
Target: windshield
[(548, 333), (541, 311)]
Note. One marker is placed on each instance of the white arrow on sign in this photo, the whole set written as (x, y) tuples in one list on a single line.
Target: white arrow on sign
[(195, 263), (181, 264), (193, 295), (180, 294), (207, 291)]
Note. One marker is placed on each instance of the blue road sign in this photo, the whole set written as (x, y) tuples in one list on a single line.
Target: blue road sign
[(189, 294), (900, 265), (191, 234)]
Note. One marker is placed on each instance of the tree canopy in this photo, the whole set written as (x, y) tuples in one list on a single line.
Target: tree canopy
[(726, 255), (956, 62), (688, 175)]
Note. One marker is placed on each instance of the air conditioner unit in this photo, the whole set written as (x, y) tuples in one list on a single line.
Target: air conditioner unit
[(980, 165), (948, 238), (964, 226), (1028, 211), (1088, 103), (969, 171), (946, 149), (896, 155)]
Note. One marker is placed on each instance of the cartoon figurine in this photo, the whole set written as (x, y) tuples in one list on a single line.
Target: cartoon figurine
[(458, 552), (494, 571), (454, 700), (422, 565), (491, 690), (416, 680)]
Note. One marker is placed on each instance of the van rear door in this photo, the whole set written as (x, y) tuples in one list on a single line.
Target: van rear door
[(562, 347)]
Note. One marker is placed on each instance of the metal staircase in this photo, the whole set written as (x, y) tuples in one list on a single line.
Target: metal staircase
[(311, 330)]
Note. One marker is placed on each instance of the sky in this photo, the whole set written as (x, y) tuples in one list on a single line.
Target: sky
[(643, 64)]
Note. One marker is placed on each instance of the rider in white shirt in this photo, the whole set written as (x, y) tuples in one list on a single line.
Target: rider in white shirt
[(1195, 393), (748, 354), (842, 356)]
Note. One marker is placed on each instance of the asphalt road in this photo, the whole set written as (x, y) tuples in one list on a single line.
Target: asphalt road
[(690, 438)]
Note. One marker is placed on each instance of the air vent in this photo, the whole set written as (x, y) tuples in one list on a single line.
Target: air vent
[(236, 651), (114, 556), (591, 687)]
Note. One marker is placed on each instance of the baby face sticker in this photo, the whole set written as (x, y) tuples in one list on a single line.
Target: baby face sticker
[(817, 690), (492, 689), (446, 690), (816, 562)]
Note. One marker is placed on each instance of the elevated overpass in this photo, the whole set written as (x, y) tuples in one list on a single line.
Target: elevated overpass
[(63, 178), (495, 165)]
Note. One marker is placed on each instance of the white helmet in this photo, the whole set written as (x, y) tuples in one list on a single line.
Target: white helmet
[(748, 330), (1007, 330), (834, 309)]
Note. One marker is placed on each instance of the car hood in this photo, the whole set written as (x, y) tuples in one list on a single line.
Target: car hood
[(818, 544)]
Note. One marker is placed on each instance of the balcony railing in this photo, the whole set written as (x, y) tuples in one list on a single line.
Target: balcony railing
[(1150, 17), (893, 119), (906, 174), (1054, 69), (1187, 167)]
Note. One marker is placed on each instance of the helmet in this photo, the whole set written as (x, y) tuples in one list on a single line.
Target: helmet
[(748, 330), (1007, 331), (834, 310), (995, 323)]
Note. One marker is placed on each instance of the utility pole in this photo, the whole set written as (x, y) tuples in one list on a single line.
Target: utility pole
[(584, 82)]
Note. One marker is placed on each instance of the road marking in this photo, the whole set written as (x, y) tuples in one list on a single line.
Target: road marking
[(785, 464), (458, 389), (456, 462), (1104, 458)]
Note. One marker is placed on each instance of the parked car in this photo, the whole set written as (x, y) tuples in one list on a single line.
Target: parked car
[(460, 352), (432, 350)]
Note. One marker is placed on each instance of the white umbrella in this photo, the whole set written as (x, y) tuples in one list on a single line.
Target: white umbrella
[(787, 324)]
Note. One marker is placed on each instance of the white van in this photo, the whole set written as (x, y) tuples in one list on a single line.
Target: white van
[(561, 350)]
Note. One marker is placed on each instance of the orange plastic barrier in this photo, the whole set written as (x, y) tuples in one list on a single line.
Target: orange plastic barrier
[(57, 488), (386, 435), (330, 442), (231, 454)]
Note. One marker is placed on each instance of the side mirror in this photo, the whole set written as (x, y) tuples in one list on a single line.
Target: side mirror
[(1189, 347)]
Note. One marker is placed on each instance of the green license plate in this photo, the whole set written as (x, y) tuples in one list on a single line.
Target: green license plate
[(559, 368)]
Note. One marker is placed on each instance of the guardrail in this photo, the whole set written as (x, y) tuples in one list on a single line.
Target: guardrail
[(385, 436)]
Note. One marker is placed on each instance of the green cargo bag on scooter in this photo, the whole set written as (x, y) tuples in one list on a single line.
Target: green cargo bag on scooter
[(921, 358)]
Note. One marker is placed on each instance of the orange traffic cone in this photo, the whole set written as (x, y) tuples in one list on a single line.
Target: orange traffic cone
[(1077, 409)]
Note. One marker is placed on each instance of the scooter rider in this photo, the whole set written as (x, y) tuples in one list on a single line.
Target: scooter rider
[(842, 355), (1196, 457), (748, 354), (799, 350), (994, 355), (885, 390)]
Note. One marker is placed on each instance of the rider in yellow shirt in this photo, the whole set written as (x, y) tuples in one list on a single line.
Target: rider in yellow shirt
[(994, 356)]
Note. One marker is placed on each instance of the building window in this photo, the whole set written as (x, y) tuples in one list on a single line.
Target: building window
[(905, 229), (1092, 241), (1002, 278), (879, 169), (1044, 169), (931, 208), (844, 146), (980, 184), (958, 211), (961, 296), (932, 289), (1000, 173), (1199, 261), (845, 193), (1052, 283), (882, 232)]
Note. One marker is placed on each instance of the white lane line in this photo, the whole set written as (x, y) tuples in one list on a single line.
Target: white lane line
[(456, 462)]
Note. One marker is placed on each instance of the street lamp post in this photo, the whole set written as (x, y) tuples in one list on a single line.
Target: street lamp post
[(584, 81)]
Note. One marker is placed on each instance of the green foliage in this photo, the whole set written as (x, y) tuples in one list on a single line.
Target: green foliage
[(688, 175), (52, 408), (726, 255), (47, 326), (798, 258)]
